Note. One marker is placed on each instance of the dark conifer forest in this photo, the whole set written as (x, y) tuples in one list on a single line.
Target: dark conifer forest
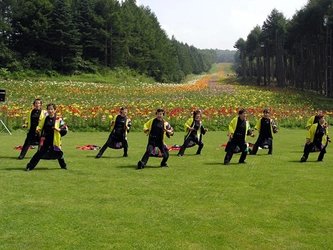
[(69, 37)]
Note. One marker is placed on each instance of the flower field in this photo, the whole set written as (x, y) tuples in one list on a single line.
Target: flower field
[(91, 106)]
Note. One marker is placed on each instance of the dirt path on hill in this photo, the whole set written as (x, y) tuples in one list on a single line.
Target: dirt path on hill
[(219, 88)]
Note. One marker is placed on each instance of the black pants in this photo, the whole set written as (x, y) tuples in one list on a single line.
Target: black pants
[(39, 154), (105, 146), (30, 140), (186, 142), (308, 148), (112, 142), (260, 141), (151, 145), (230, 149)]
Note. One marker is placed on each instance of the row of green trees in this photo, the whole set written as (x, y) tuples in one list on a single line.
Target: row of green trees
[(225, 56), (76, 36), (296, 51)]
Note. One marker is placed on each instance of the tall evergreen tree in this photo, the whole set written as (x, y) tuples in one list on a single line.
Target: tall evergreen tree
[(241, 46), (6, 54), (163, 63), (133, 46), (88, 27), (63, 38), (111, 33), (253, 49), (274, 30), (188, 64), (31, 19)]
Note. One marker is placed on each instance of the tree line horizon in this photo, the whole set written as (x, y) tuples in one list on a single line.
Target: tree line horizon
[(294, 52), (71, 37)]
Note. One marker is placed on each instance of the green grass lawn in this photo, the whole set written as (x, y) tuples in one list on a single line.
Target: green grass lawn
[(272, 202)]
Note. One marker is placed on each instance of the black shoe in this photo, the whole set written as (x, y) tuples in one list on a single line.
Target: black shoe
[(27, 169), (20, 157), (242, 162), (98, 156), (198, 153), (226, 163), (65, 167), (125, 155), (164, 165), (179, 155), (141, 165), (303, 159)]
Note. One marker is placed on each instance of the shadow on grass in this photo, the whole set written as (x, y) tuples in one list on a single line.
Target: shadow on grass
[(12, 157), (308, 161), (219, 163), (135, 167), (35, 169), (298, 161), (106, 157), (127, 166), (13, 169), (187, 155)]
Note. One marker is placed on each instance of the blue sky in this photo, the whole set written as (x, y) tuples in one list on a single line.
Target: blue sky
[(216, 24)]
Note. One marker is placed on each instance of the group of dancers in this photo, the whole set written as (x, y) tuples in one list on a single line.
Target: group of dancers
[(45, 129)]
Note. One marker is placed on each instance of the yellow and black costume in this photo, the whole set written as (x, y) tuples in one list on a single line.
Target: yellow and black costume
[(193, 136), (266, 128), (51, 129), (156, 132), (317, 138), (118, 136), (238, 129), (33, 117)]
